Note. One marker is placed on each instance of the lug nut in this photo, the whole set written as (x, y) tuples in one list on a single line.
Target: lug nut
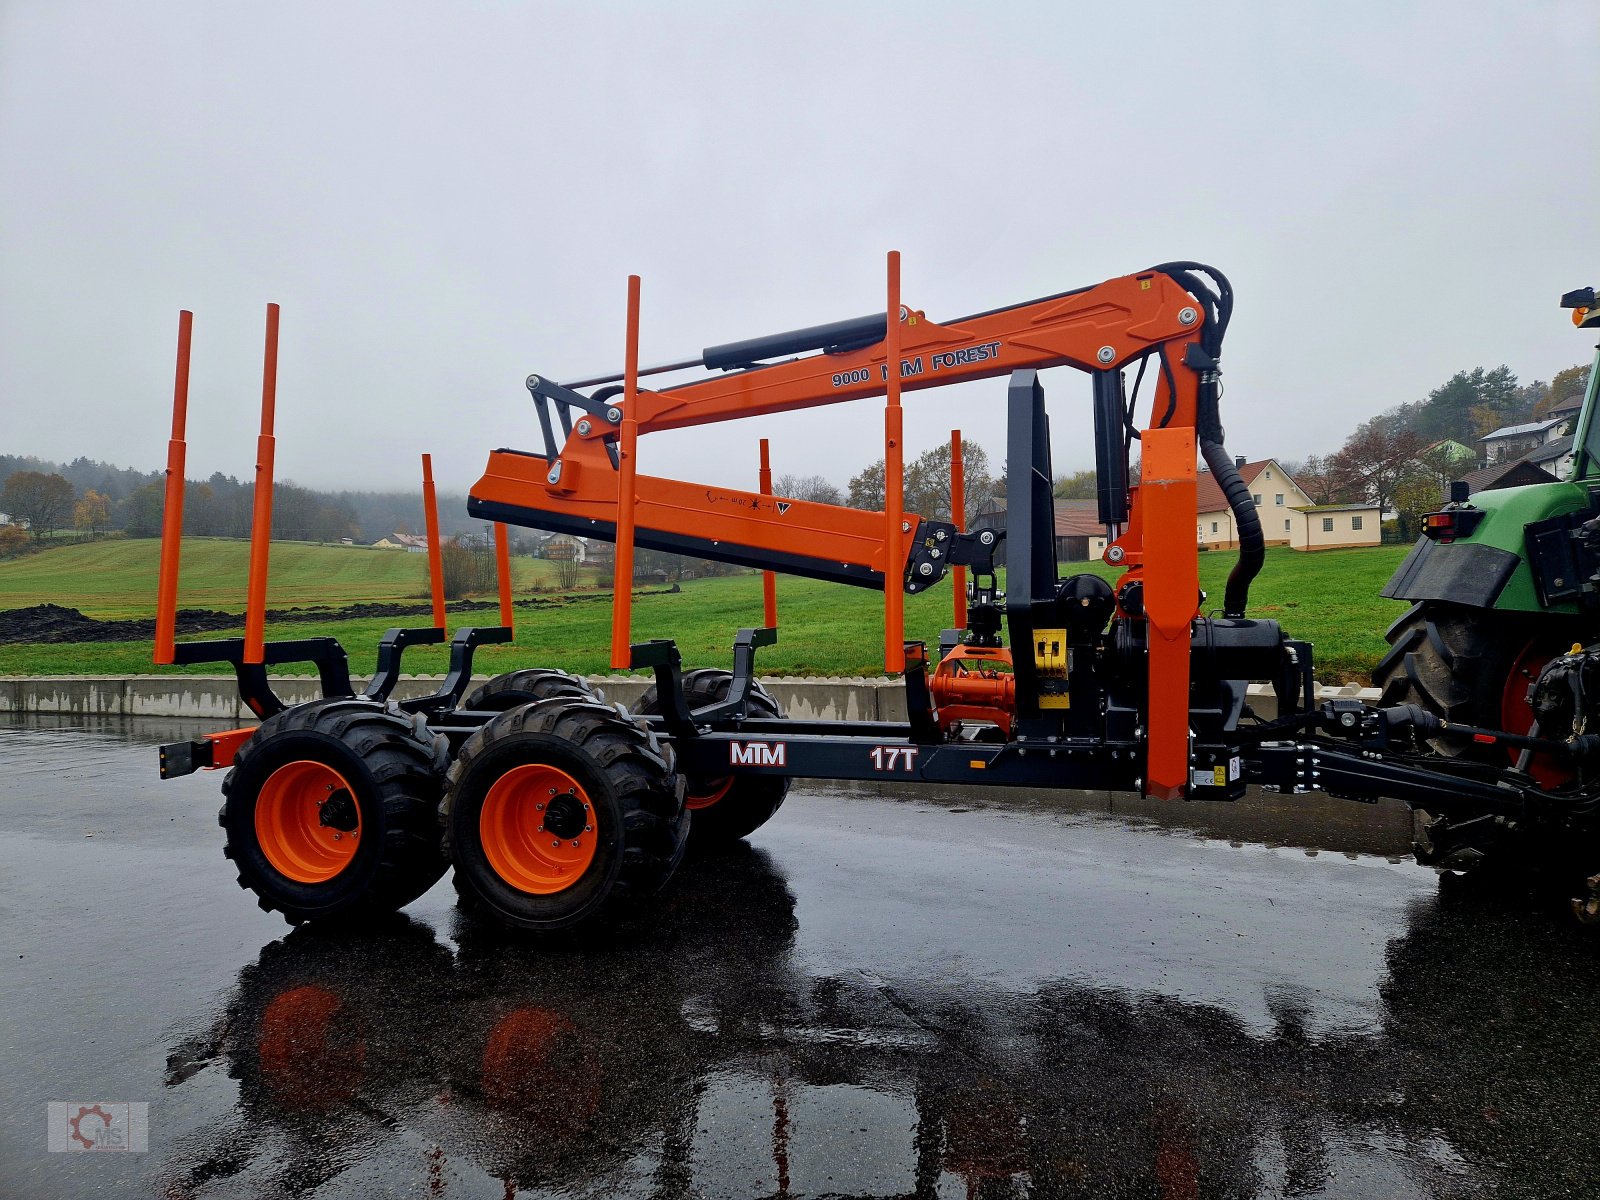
[(614, 415), (584, 426)]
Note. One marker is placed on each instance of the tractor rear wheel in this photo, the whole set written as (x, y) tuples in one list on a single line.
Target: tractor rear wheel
[(728, 807), (1472, 666), (560, 812), (1476, 667), (328, 810), (527, 687)]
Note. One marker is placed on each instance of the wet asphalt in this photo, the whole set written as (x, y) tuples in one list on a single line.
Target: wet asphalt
[(933, 993)]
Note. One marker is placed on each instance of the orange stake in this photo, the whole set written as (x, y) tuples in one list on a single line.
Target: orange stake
[(894, 600), (502, 570), (255, 611), (436, 559), (958, 514), (769, 580), (430, 514), (627, 492), (172, 509)]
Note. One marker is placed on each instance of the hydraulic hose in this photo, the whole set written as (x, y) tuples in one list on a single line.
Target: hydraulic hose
[(1252, 541)]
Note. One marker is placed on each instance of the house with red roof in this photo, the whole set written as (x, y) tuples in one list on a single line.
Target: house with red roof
[(1288, 516)]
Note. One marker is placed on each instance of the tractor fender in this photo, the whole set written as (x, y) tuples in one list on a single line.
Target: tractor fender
[(1489, 568)]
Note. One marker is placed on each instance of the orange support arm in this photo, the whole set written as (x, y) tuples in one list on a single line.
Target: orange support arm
[(255, 612), (172, 509), (1166, 503)]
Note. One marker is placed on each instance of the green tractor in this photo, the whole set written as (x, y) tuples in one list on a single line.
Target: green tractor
[(1502, 585)]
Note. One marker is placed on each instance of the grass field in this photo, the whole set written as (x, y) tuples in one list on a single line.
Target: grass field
[(1330, 598), (117, 578)]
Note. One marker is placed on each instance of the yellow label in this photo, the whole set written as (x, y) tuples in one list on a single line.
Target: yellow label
[(1219, 775)]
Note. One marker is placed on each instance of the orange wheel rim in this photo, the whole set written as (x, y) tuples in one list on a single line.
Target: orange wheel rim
[(539, 829), (705, 794), (307, 821)]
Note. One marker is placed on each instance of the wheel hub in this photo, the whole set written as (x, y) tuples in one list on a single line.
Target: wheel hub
[(338, 811), (564, 815)]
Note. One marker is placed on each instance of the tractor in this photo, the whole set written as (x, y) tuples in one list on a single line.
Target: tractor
[(555, 811), (1502, 584)]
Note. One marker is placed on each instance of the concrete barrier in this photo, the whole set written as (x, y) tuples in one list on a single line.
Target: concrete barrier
[(216, 697)]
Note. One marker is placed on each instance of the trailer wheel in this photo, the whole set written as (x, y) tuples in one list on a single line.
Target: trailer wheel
[(729, 807), (562, 811), (527, 687), (328, 810)]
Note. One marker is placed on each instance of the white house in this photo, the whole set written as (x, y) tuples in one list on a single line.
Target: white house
[(1287, 515), (1515, 441)]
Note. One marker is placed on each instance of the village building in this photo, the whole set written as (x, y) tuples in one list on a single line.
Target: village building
[(1516, 441), (1288, 516), (408, 542), (1517, 473)]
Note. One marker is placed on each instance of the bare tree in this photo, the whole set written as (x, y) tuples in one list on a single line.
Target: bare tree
[(1375, 461), (813, 488), (44, 501), (927, 484)]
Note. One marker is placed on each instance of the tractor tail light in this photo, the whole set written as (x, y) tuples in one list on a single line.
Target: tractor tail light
[(1451, 523)]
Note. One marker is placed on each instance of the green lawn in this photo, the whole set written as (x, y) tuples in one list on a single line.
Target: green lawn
[(117, 578), (1330, 598)]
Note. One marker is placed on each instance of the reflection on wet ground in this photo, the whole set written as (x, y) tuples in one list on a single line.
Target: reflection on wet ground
[(878, 997)]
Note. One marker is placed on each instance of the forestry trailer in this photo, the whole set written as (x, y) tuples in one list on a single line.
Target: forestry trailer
[(553, 809)]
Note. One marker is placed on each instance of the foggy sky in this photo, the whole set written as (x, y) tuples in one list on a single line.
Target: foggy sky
[(445, 198)]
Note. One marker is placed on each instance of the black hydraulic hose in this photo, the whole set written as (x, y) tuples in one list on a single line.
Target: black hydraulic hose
[(1252, 542)]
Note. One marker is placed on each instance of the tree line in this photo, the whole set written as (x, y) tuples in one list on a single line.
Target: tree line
[(96, 498), (1404, 459)]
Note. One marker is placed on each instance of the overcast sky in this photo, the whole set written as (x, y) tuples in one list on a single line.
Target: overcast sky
[(445, 197)]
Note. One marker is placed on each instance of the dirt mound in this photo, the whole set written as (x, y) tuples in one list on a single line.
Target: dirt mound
[(51, 623)]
